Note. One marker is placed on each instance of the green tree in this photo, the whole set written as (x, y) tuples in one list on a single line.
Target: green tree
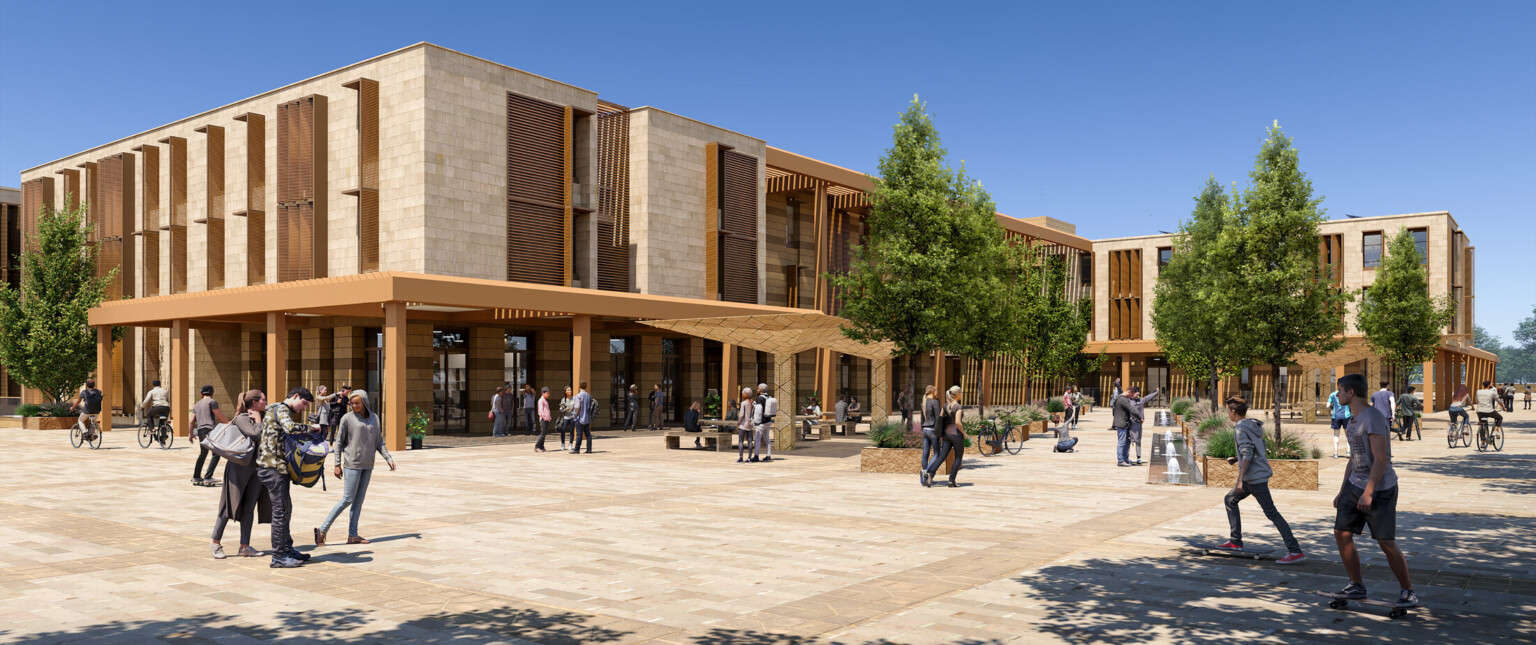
[(900, 287), (1055, 327), (1186, 311), (1399, 318), (1483, 340), (46, 341), (1277, 300), (1525, 334), (992, 308)]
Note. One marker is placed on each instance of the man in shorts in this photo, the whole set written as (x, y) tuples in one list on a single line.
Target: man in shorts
[(1340, 414), (1368, 495), (90, 401)]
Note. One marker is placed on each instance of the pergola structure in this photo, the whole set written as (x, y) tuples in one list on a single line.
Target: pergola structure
[(784, 336), (395, 298)]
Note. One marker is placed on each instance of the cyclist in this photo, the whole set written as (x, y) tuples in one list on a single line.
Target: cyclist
[(1459, 404), (90, 399), (1487, 405), (156, 403)]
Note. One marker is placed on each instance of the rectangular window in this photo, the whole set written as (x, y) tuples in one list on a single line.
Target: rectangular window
[(1164, 256), (792, 286), (792, 227), (1085, 269), (1371, 245), (1421, 242)]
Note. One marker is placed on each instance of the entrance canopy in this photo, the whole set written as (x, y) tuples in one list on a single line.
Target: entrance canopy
[(778, 334)]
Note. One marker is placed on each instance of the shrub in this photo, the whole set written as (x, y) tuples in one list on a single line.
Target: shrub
[(1035, 413), (1088, 401), (889, 434), (1211, 424), (973, 426), (1054, 406), (1181, 407), (45, 410), (1222, 444)]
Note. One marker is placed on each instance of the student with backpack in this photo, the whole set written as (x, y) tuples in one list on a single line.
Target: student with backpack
[(272, 471), (586, 407), (1253, 473), (358, 437), (766, 408), (243, 497)]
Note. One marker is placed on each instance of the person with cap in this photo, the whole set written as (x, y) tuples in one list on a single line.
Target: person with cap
[(272, 471), (745, 428), (358, 437), (205, 415), (544, 418), (765, 408)]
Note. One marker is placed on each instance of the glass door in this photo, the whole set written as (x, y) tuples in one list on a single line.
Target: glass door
[(450, 382)]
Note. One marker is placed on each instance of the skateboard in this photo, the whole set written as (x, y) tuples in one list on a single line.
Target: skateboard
[(1209, 548), (1395, 610)]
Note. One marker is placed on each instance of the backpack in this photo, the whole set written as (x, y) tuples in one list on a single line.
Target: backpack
[(226, 440), (591, 409), (305, 455), (770, 408)]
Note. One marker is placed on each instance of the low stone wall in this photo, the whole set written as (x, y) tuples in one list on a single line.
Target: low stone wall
[(48, 423), (901, 461), (1290, 474)]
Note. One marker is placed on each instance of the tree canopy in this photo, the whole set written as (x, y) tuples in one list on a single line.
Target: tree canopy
[(1400, 320)]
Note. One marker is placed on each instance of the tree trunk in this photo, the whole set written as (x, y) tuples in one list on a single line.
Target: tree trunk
[(911, 387), (1211, 389), (1274, 386)]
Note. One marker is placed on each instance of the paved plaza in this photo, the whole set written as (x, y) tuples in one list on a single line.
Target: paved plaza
[(492, 542)]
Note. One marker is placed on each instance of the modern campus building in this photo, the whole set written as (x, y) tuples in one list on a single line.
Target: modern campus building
[(10, 274), (428, 225)]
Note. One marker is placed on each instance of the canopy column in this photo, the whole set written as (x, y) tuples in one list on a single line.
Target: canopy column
[(879, 390), (1430, 383), (829, 380), (784, 433), (581, 351), (730, 392), (277, 356), (104, 372), (181, 404), (395, 415)]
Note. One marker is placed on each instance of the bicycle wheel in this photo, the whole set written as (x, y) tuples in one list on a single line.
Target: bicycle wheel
[(166, 437), (95, 439), (1014, 440), (1496, 436), (76, 437), (1466, 434), (1450, 436), (146, 435), (987, 443), (1482, 436)]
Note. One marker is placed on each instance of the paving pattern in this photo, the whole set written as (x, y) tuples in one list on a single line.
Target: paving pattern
[(491, 542)]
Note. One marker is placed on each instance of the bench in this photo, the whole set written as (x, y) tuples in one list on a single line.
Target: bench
[(823, 428), (1290, 410), (720, 441)]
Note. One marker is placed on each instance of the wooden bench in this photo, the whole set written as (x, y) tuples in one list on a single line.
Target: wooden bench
[(720, 441), (1290, 410)]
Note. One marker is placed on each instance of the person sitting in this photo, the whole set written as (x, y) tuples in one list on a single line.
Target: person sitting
[(854, 410), (691, 422)]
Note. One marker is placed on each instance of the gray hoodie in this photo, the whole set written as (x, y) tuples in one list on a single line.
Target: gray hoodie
[(1250, 446), (358, 438)]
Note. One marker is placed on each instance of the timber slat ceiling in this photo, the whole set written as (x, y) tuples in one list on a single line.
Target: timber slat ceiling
[(777, 333), (538, 189)]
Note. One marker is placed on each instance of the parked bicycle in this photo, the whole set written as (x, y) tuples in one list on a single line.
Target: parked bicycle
[(87, 430), (1489, 436), (156, 430), (1459, 432)]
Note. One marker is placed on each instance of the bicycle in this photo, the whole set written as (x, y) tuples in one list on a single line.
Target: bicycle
[(1406, 427), (85, 433), (1013, 427), (1459, 432), (156, 430), (1489, 436), (988, 440)]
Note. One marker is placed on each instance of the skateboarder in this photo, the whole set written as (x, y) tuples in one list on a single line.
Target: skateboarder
[(1368, 495), (1253, 474)]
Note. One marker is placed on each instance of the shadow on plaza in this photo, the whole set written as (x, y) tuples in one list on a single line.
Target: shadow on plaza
[(1509, 473), (1194, 598)]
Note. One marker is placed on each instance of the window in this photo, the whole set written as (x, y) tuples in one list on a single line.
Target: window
[(1421, 242), (792, 286), (792, 227), (1372, 248), (1085, 269), (1164, 256)]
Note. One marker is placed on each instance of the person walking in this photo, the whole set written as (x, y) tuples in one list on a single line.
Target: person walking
[(766, 408), (358, 438), (498, 421), (1253, 473), (1368, 495), (631, 407), (1407, 413), (567, 417), (904, 404), (544, 418), (1527, 397), (272, 471), (745, 428), (658, 407), (205, 415), (1138, 401), (1124, 416), (691, 422), (530, 409), (583, 418), (243, 498), (1339, 414), (933, 411), (951, 440), (1509, 397), (1384, 402)]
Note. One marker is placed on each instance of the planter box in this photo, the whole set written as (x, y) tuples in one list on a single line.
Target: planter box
[(48, 423), (901, 461), (1290, 474), (1036, 427)]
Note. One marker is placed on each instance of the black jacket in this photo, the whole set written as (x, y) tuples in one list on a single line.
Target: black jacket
[(1125, 413)]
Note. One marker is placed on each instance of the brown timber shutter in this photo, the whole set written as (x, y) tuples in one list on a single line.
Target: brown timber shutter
[(255, 212), (35, 196), (149, 223), (213, 217), (367, 191), (738, 227), (538, 191), (176, 211), (301, 186), (612, 198)]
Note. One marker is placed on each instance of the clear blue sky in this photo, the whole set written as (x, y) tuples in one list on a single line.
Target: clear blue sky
[(1108, 115)]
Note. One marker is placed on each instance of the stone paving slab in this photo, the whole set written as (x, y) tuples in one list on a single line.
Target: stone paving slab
[(487, 541)]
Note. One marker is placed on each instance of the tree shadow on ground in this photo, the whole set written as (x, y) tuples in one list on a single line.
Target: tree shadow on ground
[(1476, 589), (1504, 472)]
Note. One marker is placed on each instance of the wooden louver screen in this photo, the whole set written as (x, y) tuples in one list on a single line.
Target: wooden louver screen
[(255, 212), (612, 198), (367, 191), (301, 186), (538, 191), (738, 227), (92, 202), (175, 225), (214, 203), (149, 224), (1125, 310), (116, 189), (35, 196)]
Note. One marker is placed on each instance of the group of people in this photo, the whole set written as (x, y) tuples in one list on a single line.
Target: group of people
[(1129, 409), (755, 414), (942, 427)]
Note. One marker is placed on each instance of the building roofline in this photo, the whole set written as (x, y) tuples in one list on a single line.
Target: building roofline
[(205, 113), (1447, 214), (653, 108)]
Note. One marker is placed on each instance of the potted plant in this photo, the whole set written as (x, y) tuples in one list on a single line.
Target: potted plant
[(1293, 461), (1055, 407), (1180, 408), (712, 404), (895, 449), (47, 416), (416, 426), (1087, 402)]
